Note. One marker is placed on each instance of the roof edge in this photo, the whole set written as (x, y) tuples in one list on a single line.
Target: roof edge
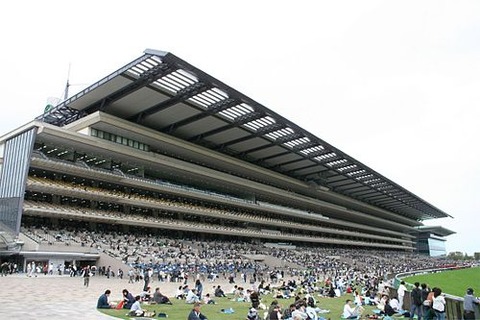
[(156, 52)]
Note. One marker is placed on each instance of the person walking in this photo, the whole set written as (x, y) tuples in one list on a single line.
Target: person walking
[(146, 278), (86, 276)]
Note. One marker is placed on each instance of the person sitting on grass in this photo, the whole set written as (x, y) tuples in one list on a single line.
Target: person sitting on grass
[(159, 298), (146, 295), (103, 302), (349, 311), (208, 300), (219, 292), (276, 313), (253, 314), (136, 309), (180, 293), (394, 304), (389, 309), (195, 314), (192, 296), (128, 299)]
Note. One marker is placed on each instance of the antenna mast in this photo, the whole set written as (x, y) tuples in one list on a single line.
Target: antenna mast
[(67, 85)]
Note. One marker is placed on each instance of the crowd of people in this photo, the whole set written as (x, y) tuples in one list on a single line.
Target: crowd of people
[(191, 262), (426, 303)]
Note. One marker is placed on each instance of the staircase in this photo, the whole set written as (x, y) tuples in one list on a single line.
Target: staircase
[(9, 244)]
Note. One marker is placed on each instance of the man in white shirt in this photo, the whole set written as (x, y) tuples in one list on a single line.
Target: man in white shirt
[(136, 308), (349, 311), (394, 304), (191, 297), (401, 293)]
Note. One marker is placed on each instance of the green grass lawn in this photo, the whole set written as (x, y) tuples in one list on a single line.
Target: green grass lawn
[(180, 310), (454, 282)]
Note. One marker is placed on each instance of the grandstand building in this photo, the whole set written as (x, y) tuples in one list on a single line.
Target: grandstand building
[(163, 147)]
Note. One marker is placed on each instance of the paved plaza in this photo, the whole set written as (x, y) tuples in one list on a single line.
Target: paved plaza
[(64, 297)]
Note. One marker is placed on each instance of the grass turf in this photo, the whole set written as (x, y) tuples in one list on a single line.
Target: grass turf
[(180, 310), (454, 282)]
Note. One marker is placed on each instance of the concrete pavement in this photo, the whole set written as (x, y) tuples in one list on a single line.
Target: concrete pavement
[(64, 297)]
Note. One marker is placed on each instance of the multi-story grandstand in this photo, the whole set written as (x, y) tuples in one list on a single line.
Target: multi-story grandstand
[(161, 147)]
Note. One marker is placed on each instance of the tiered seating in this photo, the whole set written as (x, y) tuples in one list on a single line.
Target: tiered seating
[(82, 191)]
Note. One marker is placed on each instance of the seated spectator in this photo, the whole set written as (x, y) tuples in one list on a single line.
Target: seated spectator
[(389, 311), (208, 300), (287, 313), (275, 313), (331, 292), (159, 298), (103, 302), (310, 300), (384, 300), (180, 293), (394, 304), (146, 295), (311, 313), (128, 299), (277, 294), (219, 292), (253, 314), (239, 294), (136, 309), (195, 314), (300, 312), (349, 311), (191, 297), (358, 300), (272, 306)]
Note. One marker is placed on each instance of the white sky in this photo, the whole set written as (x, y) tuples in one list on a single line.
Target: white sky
[(394, 84)]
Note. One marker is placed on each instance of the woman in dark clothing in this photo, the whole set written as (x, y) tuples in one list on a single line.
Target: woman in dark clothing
[(128, 298)]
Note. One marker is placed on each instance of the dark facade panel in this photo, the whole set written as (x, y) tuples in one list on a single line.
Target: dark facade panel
[(13, 179)]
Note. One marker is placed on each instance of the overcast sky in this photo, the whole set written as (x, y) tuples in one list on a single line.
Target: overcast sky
[(394, 84)]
